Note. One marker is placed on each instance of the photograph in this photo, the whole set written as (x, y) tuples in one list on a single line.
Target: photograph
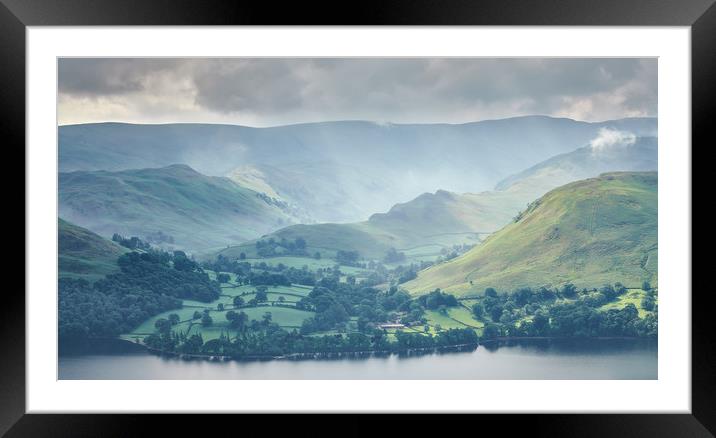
[(357, 218)]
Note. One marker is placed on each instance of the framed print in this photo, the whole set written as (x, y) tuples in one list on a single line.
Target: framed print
[(261, 212)]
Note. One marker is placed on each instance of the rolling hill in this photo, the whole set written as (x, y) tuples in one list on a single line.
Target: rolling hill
[(421, 228), (338, 171), (432, 221), (84, 254), (194, 211), (591, 232)]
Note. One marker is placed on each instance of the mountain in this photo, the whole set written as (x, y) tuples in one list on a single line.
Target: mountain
[(421, 227), (84, 254), (339, 171), (430, 222), (173, 206), (631, 154), (591, 232)]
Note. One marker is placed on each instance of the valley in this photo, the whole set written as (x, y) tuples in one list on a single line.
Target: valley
[(347, 252)]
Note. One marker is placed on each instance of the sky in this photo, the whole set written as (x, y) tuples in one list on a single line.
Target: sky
[(279, 91)]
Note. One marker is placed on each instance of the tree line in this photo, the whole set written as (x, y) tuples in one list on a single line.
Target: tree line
[(147, 284)]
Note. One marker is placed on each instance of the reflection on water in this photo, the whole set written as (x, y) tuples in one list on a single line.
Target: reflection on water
[(533, 359)]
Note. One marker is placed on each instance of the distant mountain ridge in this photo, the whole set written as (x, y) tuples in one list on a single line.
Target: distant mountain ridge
[(339, 171), (194, 210), (587, 162)]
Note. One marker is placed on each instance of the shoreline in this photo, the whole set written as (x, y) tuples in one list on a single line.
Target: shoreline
[(131, 347)]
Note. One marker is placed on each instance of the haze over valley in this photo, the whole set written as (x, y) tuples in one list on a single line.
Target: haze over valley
[(355, 237)]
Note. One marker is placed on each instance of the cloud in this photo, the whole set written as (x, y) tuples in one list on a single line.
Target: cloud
[(608, 139), (269, 91)]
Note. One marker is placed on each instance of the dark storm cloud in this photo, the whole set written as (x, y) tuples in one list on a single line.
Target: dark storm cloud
[(273, 90)]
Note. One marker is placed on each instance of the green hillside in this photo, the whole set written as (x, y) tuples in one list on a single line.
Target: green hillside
[(84, 254), (338, 171), (192, 210), (425, 225), (420, 228), (590, 232)]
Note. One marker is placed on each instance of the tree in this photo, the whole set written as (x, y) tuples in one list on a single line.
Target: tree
[(648, 303), (491, 331), (163, 325), (206, 320), (478, 310), (242, 256), (173, 318), (261, 294), (569, 290), (393, 256), (281, 299), (646, 286), (197, 315), (222, 277), (317, 255), (490, 292), (220, 307), (238, 301)]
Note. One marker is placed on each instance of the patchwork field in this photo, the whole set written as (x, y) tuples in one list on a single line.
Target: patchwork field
[(286, 317)]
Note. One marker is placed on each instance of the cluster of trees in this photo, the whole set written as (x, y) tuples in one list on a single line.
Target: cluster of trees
[(447, 254), (261, 273), (159, 238), (335, 302), (265, 338), (348, 258), (580, 320), (393, 256), (272, 247), (436, 299), (565, 312), (131, 243), (86, 312), (147, 284)]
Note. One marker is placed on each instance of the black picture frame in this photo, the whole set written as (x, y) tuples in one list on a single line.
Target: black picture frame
[(16, 15)]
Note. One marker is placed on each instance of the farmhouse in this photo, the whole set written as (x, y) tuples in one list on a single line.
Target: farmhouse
[(391, 325)]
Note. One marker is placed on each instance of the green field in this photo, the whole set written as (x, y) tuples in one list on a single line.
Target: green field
[(633, 296), (591, 232), (288, 318), (457, 317)]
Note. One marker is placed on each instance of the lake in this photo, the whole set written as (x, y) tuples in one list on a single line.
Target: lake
[(525, 359)]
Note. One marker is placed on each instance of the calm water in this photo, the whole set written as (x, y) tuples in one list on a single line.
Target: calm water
[(593, 359)]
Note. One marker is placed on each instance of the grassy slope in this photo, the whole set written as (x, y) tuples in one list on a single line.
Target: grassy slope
[(591, 232), (432, 221), (84, 254), (197, 210), (421, 227)]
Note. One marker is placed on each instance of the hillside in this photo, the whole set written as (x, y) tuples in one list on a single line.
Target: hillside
[(84, 254), (338, 171), (591, 232), (191, 210), (421, 228), (638, 154)]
